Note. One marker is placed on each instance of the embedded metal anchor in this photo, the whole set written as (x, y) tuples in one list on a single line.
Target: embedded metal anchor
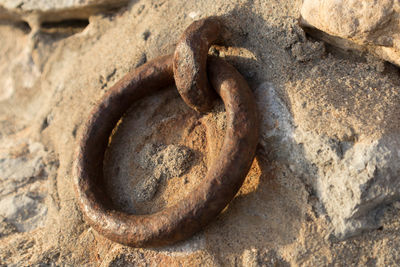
[(192, 70)]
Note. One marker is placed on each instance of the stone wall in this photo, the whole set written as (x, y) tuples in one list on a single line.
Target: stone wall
[(326, 166)]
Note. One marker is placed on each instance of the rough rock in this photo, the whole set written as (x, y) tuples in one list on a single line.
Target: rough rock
[(24, 169), (165, 161), (23, 164), (26, 212), (323, 114), (6, 228), (353, 178), (146, 189), (35, 12), (160, 162), (371, 26)]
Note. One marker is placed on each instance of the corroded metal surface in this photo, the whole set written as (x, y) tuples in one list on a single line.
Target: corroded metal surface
[(190, 61), (224, 178)]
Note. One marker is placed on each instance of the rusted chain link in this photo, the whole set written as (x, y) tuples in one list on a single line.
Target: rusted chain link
[(190, 61), (224, 178)]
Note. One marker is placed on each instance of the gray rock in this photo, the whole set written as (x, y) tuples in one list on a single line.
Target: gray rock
[(24, 169), (146, 189), (25, 211), (6, 228), (165, 161), (18, 171), (351, 178), (307, 51), (161, 162)]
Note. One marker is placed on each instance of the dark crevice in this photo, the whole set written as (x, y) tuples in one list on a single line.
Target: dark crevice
[(24, 26), (70, 26), (353, 51), (146, 35), (21, 25), (44, 125), (70, 23)]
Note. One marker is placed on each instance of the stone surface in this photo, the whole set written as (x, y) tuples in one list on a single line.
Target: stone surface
[(351, 177), (37, 11), (24, 169), (371, 26), (165, 161), (328, 143), (160, 162), (6, 228), (26, 212), (23, 164), (45, 5)]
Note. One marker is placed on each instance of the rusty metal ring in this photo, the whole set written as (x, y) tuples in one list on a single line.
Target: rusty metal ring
[(224, 178), (190, 62)]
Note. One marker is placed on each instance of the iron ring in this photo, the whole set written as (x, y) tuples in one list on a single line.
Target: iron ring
[(223, 180)]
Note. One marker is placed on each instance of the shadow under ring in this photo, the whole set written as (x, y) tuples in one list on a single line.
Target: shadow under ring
[(223, 179)]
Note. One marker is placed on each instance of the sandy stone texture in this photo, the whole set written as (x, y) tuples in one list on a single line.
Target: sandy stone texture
[(39, 12), (322, 190), (371, 26)]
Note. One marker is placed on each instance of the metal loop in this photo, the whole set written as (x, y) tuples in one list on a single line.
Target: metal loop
[(190, 61), (224, 178)]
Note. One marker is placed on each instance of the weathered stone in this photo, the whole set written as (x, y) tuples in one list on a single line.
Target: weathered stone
[(44, 10), (250, 258), (25, 211), (352, 178), (22, 165), (146, 189), (165, 161), (160, 162), (307, 51), (24, 170), (280, 216), (6, 228), (357, 25), (360, 25), (45, 5), (350, 18)]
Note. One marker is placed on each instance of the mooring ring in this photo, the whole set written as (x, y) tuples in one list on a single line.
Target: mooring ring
[(224, 178)]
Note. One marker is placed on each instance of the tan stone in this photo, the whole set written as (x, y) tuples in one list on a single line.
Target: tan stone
[(278, 218), (47, 10), (371, 26)]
